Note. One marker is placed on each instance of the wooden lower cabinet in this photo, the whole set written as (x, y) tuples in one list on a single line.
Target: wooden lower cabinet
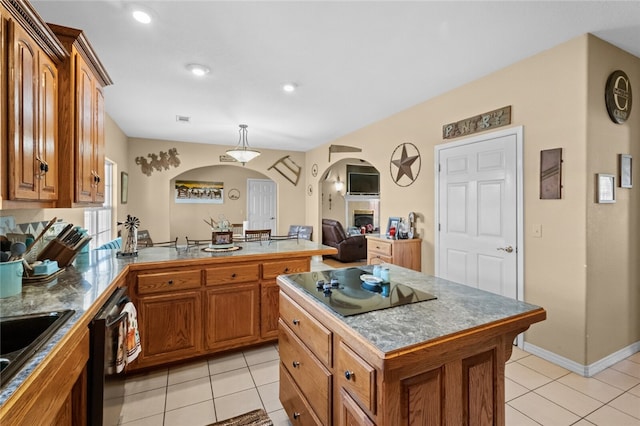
[(294, 402), (269, 314), (457, 381), (57, 394), (350, 413), (170, 326), (232, 315), (191, 311), (405, 253)]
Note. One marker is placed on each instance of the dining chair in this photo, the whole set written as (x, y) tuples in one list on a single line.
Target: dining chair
[(257, 234), (191, 242)]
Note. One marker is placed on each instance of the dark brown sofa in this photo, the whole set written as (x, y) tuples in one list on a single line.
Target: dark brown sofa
[(350, 249)]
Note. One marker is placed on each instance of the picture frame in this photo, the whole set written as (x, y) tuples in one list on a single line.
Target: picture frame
[(198, 192), (605, 188), (392, 223), (124, 187), (221, 237), (626, 171)]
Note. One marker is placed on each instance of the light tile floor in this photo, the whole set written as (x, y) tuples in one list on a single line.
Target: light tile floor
[(537, 392)]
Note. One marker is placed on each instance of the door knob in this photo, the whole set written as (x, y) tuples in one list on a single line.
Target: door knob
[(508, 249)]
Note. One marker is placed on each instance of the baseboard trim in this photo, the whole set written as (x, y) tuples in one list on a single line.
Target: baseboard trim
[(583, 370)]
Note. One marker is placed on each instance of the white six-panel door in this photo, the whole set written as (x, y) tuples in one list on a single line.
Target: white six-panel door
[(261, 204), (477, 217)]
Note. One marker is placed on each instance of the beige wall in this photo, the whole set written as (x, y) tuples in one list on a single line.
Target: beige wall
[(117, 150), (613, 230), (548, 94), (187, 220), (149, 196)]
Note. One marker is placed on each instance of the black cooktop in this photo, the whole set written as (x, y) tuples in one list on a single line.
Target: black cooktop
[(344, 291)]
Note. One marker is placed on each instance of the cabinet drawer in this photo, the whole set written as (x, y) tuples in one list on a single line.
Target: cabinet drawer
[(376, 259), (282, 267), (379, 247), (168, 281), (232, 274), (315, 336), (356, 376), (294, 403), (307, 372)]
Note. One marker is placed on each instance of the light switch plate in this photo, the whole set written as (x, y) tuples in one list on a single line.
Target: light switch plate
[(537, 231)]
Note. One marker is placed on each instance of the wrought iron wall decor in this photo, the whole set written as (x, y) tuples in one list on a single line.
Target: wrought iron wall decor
[(405, 164), (158, 162)]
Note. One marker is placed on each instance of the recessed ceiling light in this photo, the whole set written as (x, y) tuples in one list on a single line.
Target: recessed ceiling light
[(141, 16), (198, 69), (289, 87)]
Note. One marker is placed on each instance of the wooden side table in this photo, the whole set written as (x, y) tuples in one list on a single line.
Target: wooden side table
[(405, 253)]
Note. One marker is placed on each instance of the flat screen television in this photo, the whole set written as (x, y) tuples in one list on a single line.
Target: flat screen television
[(363, 183)]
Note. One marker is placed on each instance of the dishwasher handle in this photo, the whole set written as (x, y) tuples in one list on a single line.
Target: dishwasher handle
[(118, 320)]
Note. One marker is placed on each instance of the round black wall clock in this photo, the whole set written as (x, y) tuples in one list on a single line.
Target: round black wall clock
[(617, 96), (405, 164)]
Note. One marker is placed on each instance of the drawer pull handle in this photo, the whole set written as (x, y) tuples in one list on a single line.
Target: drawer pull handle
[(296, 364), (170, 282), (349, 375), (286, 269), (296, 322), (233, 275), (296, 415)]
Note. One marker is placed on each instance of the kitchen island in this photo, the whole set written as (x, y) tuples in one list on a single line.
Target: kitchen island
[(52, 383), (428, 362)]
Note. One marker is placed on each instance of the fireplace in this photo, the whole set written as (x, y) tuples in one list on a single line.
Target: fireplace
[(363, 218)]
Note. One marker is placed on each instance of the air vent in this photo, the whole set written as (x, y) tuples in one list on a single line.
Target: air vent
[(183, 119)]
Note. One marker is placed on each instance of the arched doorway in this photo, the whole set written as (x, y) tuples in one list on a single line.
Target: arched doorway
[(349, 193), (189, 219)]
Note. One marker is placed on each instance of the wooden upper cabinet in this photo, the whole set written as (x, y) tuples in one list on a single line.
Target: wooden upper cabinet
[(85, 159), (33, 116), (81, 121), (31, 55), (47, 159), (23, 112)]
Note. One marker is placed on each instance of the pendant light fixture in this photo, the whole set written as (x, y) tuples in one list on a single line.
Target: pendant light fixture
[(242, 153)]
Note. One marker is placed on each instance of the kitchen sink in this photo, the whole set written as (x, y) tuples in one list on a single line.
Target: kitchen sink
[(23, 335)]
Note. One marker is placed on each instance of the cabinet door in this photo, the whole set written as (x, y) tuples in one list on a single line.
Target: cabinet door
[(269, 313), (23, 112), (350, 413), (84, 132), (98, 145), (46, 157), (170, 326), (232, 315)]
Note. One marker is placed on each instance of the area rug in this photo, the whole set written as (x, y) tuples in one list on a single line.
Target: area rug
[(252, 418)]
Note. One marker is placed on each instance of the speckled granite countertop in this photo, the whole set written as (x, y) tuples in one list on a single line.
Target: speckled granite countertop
[(92, 274), (456, 309)]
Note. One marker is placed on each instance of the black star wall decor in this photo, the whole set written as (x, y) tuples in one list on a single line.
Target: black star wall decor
[(405, 164)]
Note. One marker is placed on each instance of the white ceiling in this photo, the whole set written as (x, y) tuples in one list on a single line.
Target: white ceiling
[(355, 62)]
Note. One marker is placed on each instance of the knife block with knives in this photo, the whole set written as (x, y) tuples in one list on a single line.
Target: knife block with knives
[(65, 247)]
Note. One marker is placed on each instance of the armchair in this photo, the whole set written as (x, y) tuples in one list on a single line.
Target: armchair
[(350, 248)]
